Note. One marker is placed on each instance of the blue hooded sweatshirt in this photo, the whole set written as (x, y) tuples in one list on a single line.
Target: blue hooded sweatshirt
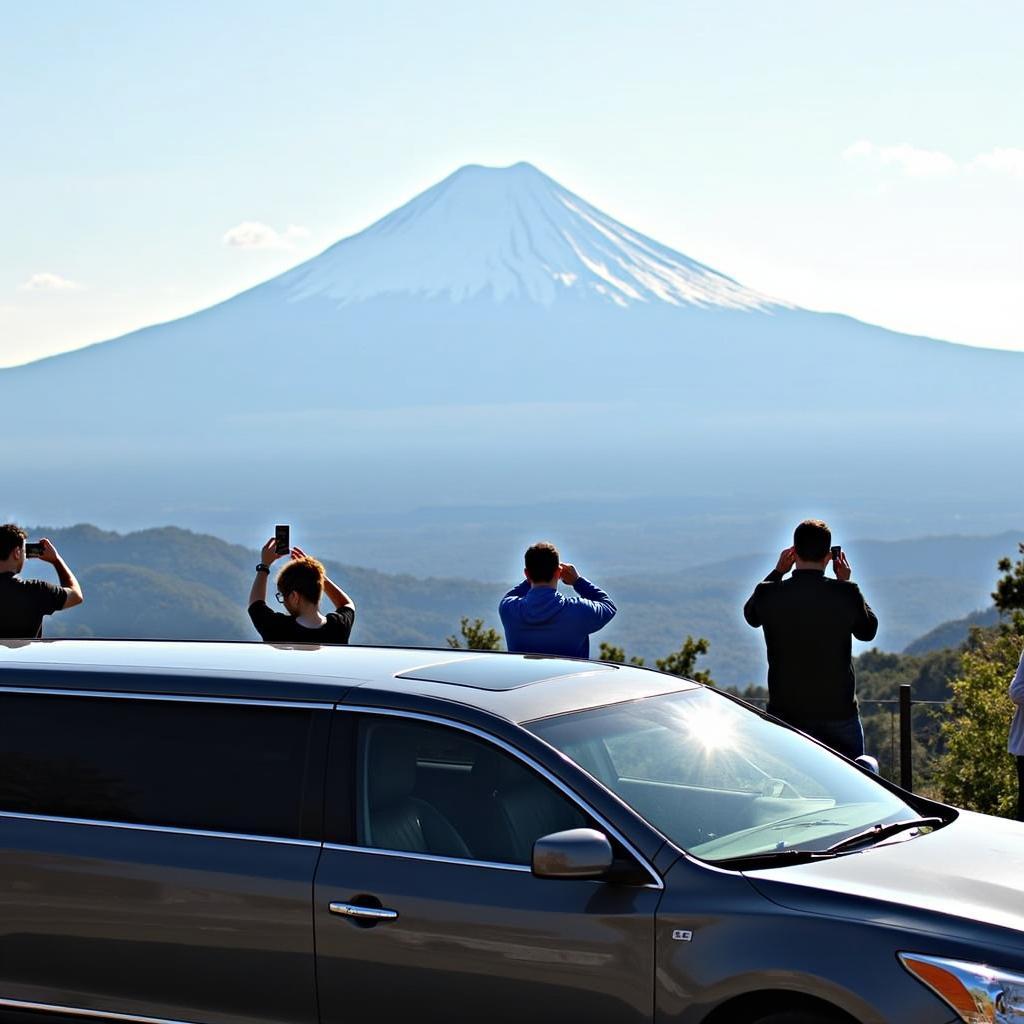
[(540, 620)]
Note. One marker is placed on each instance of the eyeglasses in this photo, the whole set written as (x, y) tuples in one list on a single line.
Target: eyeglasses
[(280, 597)]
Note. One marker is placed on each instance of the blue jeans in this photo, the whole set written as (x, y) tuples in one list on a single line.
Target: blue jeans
[(843, 735)]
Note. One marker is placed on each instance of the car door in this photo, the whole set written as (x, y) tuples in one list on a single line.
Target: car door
[(157, 856), (425, 906)]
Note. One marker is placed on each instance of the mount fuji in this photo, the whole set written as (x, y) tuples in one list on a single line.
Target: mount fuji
[(510, 234), (497, 340)]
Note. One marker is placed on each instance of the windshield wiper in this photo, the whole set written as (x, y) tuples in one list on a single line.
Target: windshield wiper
[(771, 858), (877, 833), (805, 824)]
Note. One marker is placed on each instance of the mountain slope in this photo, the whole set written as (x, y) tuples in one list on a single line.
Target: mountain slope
[(953, 633), (510, 233), (499, 340)]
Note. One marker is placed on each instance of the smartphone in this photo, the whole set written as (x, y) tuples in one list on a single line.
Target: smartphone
[(34, 550), (837, 550), (284, 544)]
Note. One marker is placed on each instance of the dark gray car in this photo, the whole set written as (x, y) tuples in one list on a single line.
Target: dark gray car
[(243, 833)]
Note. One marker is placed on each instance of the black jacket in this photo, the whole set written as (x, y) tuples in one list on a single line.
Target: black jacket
[(809, 621)]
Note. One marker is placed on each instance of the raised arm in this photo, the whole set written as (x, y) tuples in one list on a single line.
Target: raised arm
[(750, 610), (786, 562), (337, 596), (258, 590), (334, 593), (599, 607), (68, 580), (865, 621), (519, 590)]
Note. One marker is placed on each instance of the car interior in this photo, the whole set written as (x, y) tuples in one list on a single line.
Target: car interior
[(432, 790)]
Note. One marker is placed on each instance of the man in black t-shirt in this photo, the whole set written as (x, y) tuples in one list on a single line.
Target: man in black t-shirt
[(23, 603), (300, 585), (809, 624)]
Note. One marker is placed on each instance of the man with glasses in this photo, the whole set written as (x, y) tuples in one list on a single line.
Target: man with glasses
[(300, 586)]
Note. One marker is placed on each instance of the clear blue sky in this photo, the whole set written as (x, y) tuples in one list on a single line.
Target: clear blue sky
[(866, 158)]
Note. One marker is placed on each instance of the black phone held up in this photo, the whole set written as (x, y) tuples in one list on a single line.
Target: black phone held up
[(281, 535), (34, 549), (836, 551)]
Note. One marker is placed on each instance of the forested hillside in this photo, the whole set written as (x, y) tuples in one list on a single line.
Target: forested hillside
[(177, 584), (173, 583)]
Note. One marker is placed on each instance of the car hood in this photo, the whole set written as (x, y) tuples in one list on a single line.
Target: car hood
[(972, 868)]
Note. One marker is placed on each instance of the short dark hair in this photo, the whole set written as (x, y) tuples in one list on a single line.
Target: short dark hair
[(11, 538), (542, 561), (303, 575), (812, 540)]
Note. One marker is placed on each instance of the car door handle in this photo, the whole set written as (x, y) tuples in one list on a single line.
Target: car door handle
[(364, 913)]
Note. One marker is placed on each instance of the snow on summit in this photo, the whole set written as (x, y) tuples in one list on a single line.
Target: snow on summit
[(510, 233)]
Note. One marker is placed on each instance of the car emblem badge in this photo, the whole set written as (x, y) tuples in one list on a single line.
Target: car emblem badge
[(681, 936)]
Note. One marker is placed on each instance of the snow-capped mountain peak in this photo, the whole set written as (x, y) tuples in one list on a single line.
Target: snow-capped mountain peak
[(510, 233)]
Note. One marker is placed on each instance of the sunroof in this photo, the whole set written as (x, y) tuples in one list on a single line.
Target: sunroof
[(489, 673)]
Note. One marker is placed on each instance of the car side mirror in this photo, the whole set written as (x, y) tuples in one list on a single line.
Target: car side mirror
[(867, 761), (576, 853)]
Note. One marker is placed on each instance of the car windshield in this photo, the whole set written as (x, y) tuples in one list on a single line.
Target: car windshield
[(719, 780)]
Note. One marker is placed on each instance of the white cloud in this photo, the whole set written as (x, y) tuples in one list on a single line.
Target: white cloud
[(913, 161), (931, 163), (1001, 160), (47, 282), (860, 148), (252, 234)]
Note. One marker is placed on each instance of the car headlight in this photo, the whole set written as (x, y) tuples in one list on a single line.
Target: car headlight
[(979, 994)]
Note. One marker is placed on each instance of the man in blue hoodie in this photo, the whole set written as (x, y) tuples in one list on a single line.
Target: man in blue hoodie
[(540, 620)]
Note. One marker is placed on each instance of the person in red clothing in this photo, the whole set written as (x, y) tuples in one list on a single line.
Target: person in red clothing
[(300, 586)]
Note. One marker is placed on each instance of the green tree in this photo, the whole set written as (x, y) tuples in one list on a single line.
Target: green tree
[(976, 771), (679, 663), (617, 656), (1009, 593), (684, 661), (475, 636)]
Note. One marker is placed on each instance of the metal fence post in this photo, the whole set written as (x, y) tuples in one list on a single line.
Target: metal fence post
[(906, 739)]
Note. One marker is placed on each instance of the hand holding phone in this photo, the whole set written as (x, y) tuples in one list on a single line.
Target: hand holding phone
[(282, 536), (840, 566), (34, 549)]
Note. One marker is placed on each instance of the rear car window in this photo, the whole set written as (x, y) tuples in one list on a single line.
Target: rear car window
[(213, 767)]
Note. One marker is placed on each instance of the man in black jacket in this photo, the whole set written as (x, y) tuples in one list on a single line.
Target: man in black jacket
[(809, 621)]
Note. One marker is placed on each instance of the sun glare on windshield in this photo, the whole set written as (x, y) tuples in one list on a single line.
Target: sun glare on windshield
[(715, 731)]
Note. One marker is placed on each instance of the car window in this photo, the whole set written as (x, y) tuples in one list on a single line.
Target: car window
[(435, 790), (213, 767), (718, 779)]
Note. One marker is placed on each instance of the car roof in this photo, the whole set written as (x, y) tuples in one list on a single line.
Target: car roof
[(514, 686)]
